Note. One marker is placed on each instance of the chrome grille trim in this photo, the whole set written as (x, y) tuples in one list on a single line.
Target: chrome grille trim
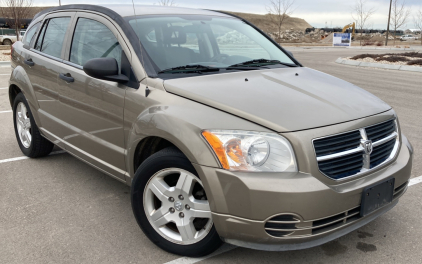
[(360, 149)]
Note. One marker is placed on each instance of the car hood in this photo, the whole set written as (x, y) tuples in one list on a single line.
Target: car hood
[(282, 99)]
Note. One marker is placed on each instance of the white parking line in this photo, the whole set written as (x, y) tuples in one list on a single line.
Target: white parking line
[(25, 157), (8, 111), (416, 180), (228, 247), (3, 88), (5, 74), (187, 260)]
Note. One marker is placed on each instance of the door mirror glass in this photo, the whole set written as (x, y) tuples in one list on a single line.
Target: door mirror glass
[(105, 69)]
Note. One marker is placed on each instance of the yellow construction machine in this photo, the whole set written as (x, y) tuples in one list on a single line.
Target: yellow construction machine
[(351, 25)]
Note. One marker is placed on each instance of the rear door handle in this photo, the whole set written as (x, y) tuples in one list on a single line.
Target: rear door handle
[(29, 62), (67, 77)]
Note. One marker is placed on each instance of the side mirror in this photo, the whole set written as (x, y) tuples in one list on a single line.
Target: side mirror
[(290, 53), (105, 69)]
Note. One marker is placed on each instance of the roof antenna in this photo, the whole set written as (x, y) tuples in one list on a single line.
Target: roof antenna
[(147, 90)]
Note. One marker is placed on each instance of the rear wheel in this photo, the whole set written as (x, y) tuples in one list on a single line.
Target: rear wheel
[(30, 141), (171, 207)]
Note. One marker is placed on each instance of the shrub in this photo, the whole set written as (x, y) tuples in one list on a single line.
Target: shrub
[(362, 56), (392, 58), (415, 62)]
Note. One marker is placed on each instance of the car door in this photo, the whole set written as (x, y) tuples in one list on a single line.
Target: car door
[(92, 109), (42, 63)]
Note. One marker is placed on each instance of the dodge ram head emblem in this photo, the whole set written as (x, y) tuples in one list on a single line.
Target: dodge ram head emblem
[(367, 146), (178, 205)]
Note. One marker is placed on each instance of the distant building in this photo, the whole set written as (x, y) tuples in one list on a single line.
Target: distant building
[(413, 31)]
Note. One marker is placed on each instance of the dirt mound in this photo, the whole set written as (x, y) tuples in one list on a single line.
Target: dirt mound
[(328, 39), (264, 23), (377, 39)]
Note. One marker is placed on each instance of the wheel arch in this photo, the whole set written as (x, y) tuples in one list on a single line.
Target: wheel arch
[(147, 147), (19, 83), (7, 39), (154, 131), (14, 90)]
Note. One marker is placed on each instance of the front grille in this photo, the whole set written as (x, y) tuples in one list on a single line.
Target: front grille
[(382, 152), (342, 167), (345, 155), (381, 131), (327, 146)]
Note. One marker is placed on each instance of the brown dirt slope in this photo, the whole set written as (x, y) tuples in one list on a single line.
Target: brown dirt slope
[(264, 22), (261, 21)]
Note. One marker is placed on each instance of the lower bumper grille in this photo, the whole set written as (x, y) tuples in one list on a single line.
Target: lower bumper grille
[(289, 225)]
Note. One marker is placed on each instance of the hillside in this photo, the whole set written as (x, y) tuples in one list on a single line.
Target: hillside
[(264, 23), (261, 21)]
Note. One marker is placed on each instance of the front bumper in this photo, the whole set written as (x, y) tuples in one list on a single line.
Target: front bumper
[(243, 203)]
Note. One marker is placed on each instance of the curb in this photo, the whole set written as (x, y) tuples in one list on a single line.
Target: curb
[(358, 48), (377, 48), (4, 63), (379, 65)]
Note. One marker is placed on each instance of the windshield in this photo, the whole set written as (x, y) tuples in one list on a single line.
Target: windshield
[(181, 40)]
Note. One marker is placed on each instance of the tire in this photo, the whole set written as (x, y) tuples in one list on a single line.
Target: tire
[(37, 146), (7, 42), (169, 162)]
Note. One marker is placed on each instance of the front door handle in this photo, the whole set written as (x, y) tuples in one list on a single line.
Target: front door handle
[(29, 62), (67, 77)]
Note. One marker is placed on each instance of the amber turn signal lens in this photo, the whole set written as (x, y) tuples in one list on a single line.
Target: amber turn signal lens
[(218, 148)]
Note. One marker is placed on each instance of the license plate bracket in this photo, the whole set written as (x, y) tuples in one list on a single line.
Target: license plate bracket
[(377, 196)]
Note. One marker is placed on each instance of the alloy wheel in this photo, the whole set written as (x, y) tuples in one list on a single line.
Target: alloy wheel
[(176, 206), (23, 124)]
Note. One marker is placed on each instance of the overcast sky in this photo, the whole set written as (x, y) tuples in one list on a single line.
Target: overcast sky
[(315, 12)]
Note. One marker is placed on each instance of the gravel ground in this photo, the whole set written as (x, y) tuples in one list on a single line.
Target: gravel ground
[(4, 55)]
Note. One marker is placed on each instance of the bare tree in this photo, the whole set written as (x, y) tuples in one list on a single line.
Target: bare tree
[(14, 11), (280, 11), (166, 3), (418, 22), (361, 14), (399, 15)]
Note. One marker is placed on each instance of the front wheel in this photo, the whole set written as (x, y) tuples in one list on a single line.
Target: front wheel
[(171, 207)]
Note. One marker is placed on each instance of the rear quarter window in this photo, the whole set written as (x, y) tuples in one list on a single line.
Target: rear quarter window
[(30, 34)]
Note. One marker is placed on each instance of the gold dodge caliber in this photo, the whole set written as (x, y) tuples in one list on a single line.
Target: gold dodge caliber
[(221, 134)]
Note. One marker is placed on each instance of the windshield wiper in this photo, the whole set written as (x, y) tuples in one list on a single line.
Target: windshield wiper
[(259, 63), (190, 69)]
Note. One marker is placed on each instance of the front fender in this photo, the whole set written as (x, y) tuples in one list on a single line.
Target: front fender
[(179, 121)]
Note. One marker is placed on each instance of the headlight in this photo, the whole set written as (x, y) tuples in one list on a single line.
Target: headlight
[(251, 151)]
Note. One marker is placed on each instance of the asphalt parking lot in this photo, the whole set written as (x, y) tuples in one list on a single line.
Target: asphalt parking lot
[(59, 210)]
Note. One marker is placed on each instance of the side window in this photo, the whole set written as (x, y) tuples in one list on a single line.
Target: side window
[(30, 34), (93, 39), (52, 36)]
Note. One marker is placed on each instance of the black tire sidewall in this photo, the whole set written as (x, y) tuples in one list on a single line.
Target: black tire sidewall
[(21, 98), (148, 168)]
